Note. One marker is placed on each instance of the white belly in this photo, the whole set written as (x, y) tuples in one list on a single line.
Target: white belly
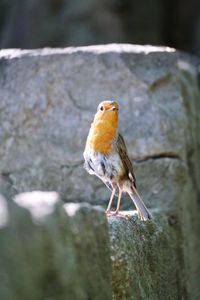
[(107, 168)]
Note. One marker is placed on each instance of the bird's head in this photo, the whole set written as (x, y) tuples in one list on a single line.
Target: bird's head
[(108, 111), (108, 107)]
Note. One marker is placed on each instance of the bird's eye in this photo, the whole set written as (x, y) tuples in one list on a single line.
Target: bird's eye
[(101, 108)]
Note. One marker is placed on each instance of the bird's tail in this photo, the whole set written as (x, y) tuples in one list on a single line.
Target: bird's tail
[(143, 212)]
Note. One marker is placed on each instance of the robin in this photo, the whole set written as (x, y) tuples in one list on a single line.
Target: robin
[(106, 157)]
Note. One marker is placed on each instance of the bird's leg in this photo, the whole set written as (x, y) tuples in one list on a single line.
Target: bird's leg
[(111, 198), (119, 199)]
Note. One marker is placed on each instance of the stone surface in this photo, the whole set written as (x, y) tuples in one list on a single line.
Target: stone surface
[(158, 259), (67, 253), (48, 100), (146, 264), (64, 255)]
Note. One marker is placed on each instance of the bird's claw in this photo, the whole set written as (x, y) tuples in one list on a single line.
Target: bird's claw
[(108, 212), (114, 213)]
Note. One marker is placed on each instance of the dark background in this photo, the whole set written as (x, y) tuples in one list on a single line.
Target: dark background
[(61, 23)]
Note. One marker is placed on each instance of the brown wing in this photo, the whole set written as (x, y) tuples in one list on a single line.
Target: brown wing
[(121, 147)]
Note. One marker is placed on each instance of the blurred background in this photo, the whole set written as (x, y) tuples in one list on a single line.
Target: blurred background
[(61, 23)]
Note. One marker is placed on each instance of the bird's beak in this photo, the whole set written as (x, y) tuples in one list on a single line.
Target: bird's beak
[(112, 108)]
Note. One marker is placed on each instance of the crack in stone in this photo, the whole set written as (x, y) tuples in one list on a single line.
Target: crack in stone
[(160, 82), (7, 184), (156, 156), (72, 165), (74, 102), (7, 178)]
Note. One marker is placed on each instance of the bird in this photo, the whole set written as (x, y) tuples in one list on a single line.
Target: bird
[(106, 156)]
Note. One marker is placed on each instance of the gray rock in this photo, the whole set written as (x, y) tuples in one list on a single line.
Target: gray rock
[(146, 264), (63, 255), (51, 251), (48, 100)]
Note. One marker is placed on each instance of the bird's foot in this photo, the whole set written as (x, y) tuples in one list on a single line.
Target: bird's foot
[(111, 213), (108, 212), (117, 213)]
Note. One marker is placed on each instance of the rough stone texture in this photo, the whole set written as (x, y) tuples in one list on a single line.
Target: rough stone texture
[(63, 252), (64, 255), (143, 257), (47, 101)]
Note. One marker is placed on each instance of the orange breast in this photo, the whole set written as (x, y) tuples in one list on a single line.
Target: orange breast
[(102, 133)]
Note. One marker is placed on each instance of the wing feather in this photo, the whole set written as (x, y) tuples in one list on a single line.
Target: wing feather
[(122, 150)]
